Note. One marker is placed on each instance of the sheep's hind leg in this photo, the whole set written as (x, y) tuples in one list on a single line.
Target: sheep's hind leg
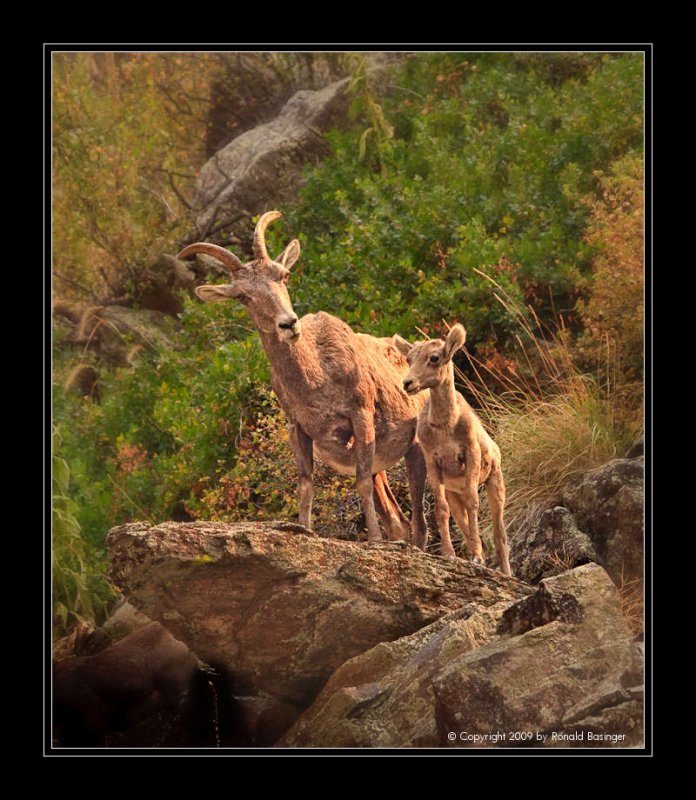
[(364, 433), (416, 472), (393, 519), (495, 488), (442, 514)]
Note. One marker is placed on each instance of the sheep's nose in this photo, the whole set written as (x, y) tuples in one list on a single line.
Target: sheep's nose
[(408, 384), (288, 323)]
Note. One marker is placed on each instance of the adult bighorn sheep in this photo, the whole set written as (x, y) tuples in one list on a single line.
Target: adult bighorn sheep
[(341, 391), (459, 454)]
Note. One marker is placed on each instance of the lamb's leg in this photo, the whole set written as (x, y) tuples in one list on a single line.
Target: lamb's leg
[(364, 434), (495, 488), (302, 446), (474, 547), (442, 513), (393, 519), (416, 471), (470, 499)]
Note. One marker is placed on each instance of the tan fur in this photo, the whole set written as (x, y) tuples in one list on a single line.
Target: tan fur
[(459, 454), (342, 392)]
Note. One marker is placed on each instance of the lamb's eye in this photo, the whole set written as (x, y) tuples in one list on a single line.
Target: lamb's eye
[(434, 359)]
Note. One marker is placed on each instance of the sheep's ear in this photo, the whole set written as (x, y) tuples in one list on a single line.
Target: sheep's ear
[(401, 344), (455, 339), (215, 294), (290, 255)]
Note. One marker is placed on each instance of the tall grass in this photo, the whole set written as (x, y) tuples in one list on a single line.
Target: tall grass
[(81, 591), (551, 421)]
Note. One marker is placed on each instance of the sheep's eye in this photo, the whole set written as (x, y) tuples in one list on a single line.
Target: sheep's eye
[(434, 359), (242, 298)]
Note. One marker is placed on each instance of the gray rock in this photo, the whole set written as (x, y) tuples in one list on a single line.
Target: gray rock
[(121, 622), (551, 546), (261, 169), (560, 661), (608, 505), (637, 448)]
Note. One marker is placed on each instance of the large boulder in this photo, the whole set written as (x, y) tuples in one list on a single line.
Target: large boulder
[(136, 684), (551, 546), (556, 668), (280, 608), (607, 503), (262, 168)]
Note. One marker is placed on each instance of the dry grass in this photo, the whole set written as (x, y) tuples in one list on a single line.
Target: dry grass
[(557, 562), (551, 421), (631, 599)]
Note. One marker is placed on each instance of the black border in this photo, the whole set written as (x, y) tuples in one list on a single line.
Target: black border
[(647, 749)]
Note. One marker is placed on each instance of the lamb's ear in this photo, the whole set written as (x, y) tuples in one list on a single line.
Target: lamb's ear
[(401, 345), (215, 294), (455, 339), (290, 255)]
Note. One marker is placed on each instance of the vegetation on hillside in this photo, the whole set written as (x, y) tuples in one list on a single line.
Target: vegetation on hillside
[(504, 191)]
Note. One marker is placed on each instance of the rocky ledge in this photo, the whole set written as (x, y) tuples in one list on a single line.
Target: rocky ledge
[(342, 644)]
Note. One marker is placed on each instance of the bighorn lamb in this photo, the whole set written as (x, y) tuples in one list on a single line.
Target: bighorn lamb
[(341, 391), (459, 454)]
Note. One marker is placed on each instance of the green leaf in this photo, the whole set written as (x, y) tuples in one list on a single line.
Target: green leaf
[(61, 475)]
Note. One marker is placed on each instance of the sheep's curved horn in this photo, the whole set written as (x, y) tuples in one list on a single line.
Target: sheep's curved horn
[(229, 260), (259, 245)]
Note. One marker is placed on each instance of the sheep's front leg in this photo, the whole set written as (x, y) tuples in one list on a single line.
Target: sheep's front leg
[(303, 448), (442, 511), (416, 470), (364, 435), (461, 515)]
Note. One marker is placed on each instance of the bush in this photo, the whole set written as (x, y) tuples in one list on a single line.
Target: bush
[(127, 141), (489, 167), (81, 591), (613, 313), (163, 424)]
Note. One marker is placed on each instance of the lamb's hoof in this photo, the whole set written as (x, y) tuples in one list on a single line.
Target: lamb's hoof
[(448, 554), (478, 560)]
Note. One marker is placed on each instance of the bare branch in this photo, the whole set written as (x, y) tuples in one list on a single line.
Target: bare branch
[(84, 289), (182, 199)]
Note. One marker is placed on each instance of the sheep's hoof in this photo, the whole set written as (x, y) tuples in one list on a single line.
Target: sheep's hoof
[(478, 560)]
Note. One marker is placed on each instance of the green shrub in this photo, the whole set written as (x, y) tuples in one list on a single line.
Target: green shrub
[(163, 424), (612, 313), (81, 591), (490, 167)]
